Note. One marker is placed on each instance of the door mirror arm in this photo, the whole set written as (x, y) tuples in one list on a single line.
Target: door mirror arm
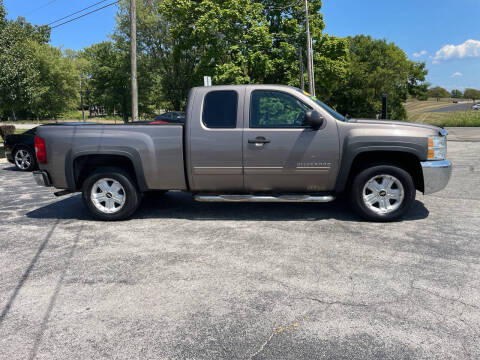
[(313, 119)]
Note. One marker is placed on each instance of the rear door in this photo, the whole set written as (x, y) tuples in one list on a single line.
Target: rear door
[(215, 129), (280, 154)]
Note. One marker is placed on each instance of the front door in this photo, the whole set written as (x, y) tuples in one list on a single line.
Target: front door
[(280, 154)]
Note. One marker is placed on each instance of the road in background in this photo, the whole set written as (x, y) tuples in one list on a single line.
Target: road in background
[(456, 107)]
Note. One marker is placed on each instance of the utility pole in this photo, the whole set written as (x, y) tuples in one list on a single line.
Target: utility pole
[(300, 59), (81, 98), (313, 69), (133, 58), (311, 87)]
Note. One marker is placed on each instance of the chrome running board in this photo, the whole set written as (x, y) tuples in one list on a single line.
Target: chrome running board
[(264, 198)]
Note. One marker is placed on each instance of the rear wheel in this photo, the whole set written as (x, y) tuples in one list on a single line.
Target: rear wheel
[(110, 194), (382, 192), (24, 159)]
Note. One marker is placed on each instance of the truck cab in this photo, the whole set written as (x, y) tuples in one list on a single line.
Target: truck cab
[(254, 139)]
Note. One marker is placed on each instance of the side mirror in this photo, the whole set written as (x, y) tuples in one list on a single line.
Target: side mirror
[(313, 119)]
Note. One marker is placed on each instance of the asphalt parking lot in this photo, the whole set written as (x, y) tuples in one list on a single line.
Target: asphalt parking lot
[(184, 280)]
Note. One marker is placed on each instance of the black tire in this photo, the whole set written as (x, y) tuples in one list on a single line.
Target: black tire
[(370, 172), (31, 155), (129, 189)]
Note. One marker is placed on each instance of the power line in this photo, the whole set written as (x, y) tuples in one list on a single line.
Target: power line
[(88, 13), (41, 7), (76, 12)]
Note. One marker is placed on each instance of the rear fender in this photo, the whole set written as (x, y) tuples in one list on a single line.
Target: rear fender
[(126, 152)]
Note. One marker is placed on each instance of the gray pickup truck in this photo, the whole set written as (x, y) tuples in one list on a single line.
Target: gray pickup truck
[(247, 143)]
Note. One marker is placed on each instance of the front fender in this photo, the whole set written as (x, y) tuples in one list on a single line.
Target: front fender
[(365, 139)]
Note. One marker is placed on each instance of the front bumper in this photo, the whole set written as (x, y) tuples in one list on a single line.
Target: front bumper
[(42, 178), (436, 175)]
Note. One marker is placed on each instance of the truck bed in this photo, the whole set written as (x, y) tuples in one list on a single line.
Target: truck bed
[(155, 151)]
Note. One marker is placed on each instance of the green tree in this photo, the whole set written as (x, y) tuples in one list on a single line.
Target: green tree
[(286, 21), (331, 59), (286, 26), (186, 40), (109, 77), (254, 41), (18, 72), (106, 77), (82, 67), (456, 94), (376, 67), (438, 92), (473, 94), (57, 89), (234, 41)]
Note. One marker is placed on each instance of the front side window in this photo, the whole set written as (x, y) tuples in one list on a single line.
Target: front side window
[(276, 109), (220, 110)]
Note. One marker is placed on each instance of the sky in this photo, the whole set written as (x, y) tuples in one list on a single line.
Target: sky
[(443, 33), (76, 35)]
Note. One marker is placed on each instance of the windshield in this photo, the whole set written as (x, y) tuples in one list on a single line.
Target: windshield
[(324, 106)]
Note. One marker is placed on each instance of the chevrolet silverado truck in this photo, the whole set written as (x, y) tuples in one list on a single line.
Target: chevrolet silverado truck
[(247, 143)]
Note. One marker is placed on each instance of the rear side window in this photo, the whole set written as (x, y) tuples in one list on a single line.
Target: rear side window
[(220, 110)]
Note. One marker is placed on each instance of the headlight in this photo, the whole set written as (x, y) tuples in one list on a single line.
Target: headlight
[(437, 148)]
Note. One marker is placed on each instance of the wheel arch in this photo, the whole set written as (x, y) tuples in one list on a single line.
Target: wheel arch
[(18, 146), (78, 167), (407, 159)]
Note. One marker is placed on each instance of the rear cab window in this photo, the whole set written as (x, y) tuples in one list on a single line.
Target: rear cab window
[(220, 109)]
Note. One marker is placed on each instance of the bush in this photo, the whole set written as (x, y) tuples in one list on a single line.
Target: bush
[(72, 115), (461, 119), (6, 130)]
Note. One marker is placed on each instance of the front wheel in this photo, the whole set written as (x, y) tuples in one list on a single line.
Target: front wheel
[(110, 194), (382, 192)]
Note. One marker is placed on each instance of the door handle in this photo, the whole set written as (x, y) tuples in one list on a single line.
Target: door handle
[(259, 140)]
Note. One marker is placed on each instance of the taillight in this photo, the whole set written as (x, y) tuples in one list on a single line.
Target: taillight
[(40, 150), (158, 122)]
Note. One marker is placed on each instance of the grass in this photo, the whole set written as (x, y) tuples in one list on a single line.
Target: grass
[(76, 115), (419, 107), (418, 111), (72, 114), (444, 119)]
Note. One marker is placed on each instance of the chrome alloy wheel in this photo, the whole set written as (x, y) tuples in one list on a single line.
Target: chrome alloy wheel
[(23, 159), (383, 194), (108, 196)]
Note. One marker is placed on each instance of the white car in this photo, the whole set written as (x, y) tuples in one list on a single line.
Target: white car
[(476, 107)]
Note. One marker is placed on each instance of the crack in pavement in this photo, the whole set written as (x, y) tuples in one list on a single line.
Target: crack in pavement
[(447, 298), (279, 331)]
